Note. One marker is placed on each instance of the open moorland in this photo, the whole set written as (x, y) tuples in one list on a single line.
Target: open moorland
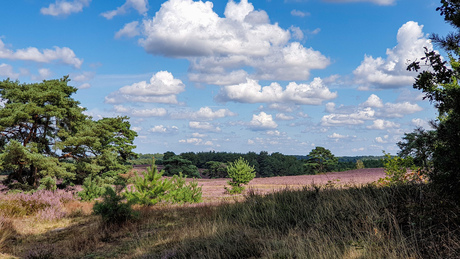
[(213, 189), (333, 215)]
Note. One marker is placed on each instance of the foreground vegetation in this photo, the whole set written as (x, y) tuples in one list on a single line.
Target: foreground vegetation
[(400, 221)]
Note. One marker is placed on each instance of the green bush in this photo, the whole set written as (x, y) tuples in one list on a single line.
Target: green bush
[(359, 164), (48, 183), (112, 209), (93, 187), (396, 170), (241, 173), (182, 192), (151, 189)]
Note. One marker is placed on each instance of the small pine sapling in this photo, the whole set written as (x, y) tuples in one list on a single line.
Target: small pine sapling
[(241, 173), (93, 187), (183, 192), (150, 189), (112, 208)]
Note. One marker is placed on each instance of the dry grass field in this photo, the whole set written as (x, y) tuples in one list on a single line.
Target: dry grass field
[(333, 215)]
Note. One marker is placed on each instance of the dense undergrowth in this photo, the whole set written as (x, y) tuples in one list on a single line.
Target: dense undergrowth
[(401, 221)]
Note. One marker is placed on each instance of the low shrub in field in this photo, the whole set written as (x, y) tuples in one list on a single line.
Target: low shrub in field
[(152, 188), (93, 187), (400, 170), (241, 173), (45, 205), (112, 208)]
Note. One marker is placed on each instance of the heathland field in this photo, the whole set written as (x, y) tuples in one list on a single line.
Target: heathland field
[(334, 215)]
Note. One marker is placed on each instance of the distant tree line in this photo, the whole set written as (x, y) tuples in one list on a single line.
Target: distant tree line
[(213, 164)]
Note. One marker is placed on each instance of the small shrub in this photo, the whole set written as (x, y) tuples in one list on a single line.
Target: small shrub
[(151, 189), (400, 170), (359, 164), (112, 208), (93, 187), (48, 183), (241, 173), (182, 192)]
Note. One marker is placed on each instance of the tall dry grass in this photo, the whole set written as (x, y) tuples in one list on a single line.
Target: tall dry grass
[(407, 221)]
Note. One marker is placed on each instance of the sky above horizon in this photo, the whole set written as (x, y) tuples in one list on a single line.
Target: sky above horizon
[(234, 76)]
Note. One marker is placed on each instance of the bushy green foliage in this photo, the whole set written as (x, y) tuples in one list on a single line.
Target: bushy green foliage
[(321, 160), (48, 183), (183, 192), (93, 187), (176, 164), (359, 164), (215, 169), (396, 170), (112, 208), (241, 173), (42, 128), (439, 81), (152, 189)]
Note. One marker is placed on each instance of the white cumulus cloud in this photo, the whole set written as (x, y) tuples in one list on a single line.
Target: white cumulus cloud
[(204, 114), (262, 121), (163, 129), (391, 72), (64, 8), (398, 110), (7, 71), (162, 88), (373, 101), (204, 126), (383, 124), (63, 55), (217, 46), (353, 118), (252, 92)]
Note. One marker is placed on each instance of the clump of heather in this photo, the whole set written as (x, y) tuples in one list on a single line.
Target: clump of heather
[(45, 205)]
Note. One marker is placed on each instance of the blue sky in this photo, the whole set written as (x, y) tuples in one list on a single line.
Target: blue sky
[(237, 76)]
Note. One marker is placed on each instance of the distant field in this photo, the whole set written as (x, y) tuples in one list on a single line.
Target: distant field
[(213, 189)]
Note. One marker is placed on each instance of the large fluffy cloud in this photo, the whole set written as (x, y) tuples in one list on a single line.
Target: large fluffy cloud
[(218, 46), (63, 55), (162, 88), (262, 121), (252, 92), (372, 109), (141, 6), (63, 8), (391, 72), (353, 118)]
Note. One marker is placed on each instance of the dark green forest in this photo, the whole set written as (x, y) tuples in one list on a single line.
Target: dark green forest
[(265, 164)]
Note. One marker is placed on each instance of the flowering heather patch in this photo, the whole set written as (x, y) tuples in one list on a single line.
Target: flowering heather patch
[(43, 204)]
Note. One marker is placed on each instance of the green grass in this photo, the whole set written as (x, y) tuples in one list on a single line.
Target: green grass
[(407, 221)]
